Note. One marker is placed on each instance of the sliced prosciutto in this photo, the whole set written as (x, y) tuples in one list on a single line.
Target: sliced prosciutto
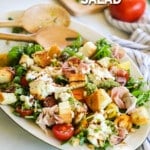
[(117, 94), (118, 52), (130, 102), (48, 117), (75, 65), (122, 76), (116, 139), (123, 98)]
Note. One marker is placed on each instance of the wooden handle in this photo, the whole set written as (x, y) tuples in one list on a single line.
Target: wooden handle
[(18, 37), (11, 23)]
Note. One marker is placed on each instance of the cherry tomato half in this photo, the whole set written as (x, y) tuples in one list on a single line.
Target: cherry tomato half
[(24, 112), (123, 73), (128, 10), (63, 132), (49, 101), (23, 81)]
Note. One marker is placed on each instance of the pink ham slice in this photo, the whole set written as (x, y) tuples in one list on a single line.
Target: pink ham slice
[(117, 52), (130, 102), (75, 65), (123, 98), (116, 139), (48, 117), (122, 76), (117, 94)]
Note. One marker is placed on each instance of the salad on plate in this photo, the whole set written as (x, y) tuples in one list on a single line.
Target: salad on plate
[(83, 94)]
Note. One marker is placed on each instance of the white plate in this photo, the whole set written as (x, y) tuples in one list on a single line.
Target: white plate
[(132, 141)]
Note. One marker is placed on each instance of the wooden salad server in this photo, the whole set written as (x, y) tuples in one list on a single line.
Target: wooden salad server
[(46, 37), (39, 16)]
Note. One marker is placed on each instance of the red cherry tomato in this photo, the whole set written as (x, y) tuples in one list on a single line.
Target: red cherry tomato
[(23, 81), (123, 73), (128, 10), (63, 132), (49, 101), (24, 112), (122, 77)]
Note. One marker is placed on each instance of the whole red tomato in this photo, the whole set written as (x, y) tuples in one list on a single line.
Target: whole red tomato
[(63, 132), (128, 10)]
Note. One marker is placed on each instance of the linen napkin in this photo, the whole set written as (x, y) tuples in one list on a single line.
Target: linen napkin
[(137, 47)]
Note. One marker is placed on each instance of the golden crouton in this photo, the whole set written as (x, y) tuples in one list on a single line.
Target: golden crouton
[(88, 49), (65, 112), (38, 89), (76, 85), (98, 100), (124, 121), (7, 98), (78, 90), (6, 74), (42, 58), (26, 60), (54, 51), (76, 77), (4, 59), (78, 93), (140, 116)]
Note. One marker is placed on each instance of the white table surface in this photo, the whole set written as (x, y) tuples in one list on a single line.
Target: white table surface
[(13, 137)]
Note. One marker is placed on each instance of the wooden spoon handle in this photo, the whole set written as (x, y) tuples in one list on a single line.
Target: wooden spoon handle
[(18, 37), (11, 23)]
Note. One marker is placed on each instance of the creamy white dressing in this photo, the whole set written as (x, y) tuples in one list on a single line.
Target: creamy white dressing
[(31, 75), (27, 100), (45, 77), (105, 62), (62, 93), (101, 73), (98, 131), (64, 96)]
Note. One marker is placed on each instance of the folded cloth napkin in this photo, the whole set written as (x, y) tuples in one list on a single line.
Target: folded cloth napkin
[(137, 47)]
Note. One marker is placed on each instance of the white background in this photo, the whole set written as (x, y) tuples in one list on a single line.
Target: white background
[(13, 137)]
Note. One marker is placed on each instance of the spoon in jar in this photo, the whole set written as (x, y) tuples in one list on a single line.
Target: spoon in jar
[(39, 16), (59, 35)]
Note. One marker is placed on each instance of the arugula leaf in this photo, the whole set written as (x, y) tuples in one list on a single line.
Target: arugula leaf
[(34, 116), (103, 49), (105, 146), (17, 79), (14, 55), (31, 48), (73, 48), (142, 96), (134, 84), (77, 43), (16, 52), (20, 70), (61, 80), (70, 52), (82, 136), (19, 91), (135, 87)]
